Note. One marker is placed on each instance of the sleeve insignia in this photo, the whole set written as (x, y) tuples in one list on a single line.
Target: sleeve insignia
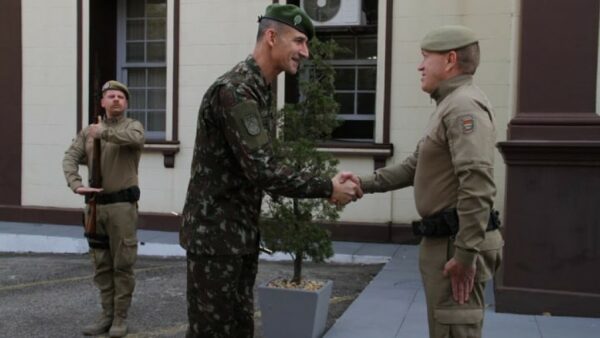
[(468, 124), (252, 124)]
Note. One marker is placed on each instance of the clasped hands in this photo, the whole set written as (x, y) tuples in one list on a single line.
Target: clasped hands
[(346, 188)]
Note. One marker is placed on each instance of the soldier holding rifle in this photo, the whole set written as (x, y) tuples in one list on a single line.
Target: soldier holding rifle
[(111, 214)]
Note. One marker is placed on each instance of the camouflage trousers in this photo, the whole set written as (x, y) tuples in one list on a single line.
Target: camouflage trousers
[(447, 318), (113, 267), (220, 295)]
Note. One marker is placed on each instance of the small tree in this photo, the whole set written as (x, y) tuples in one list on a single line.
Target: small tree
[(291, 225)]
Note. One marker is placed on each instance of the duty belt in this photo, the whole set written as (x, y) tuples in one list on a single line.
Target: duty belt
[(131, 194), (445, 224)]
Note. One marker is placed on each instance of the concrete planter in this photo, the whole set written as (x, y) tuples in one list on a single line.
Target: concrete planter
[(293, 313)]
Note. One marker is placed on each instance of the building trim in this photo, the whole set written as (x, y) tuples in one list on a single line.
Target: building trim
[(175, 89), (11, 82), (79, 72), (342, 231), (387, 86)]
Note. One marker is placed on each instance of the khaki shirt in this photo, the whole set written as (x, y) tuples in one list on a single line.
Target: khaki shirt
[(452, 166), (122, 141)]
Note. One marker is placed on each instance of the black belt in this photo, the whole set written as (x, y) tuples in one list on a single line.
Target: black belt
[(131, 194), (445, 224)]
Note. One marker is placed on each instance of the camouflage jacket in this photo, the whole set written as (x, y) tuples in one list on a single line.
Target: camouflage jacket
[(234, 164)]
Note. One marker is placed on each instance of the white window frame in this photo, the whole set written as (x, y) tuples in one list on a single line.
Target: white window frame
[(121, 72), (357, 64)]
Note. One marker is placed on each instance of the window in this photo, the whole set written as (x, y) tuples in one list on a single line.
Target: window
[(356, 71), (355, 86), (141, 61)]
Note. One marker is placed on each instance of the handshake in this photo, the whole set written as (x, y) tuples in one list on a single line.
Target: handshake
[(346, 188)]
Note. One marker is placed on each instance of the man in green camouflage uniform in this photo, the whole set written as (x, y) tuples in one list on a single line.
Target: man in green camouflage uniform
[(452, 174), (114, 247), (233, 165)]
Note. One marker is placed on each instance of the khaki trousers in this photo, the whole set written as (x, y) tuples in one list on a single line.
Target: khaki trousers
[(447, 318), (113, 267)]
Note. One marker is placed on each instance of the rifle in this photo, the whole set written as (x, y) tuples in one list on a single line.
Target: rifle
[(95, 182)]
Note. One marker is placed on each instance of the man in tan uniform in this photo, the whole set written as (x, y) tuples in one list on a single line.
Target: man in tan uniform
[(113, 249), (452, 174)]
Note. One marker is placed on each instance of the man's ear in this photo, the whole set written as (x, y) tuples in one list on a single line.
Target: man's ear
[(270, 36), (451, 60)]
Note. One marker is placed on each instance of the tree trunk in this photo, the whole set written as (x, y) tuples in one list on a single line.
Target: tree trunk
[(297, 268), (298, 255)]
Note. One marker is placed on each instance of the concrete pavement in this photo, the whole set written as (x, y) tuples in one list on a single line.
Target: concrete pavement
[(391, 306)]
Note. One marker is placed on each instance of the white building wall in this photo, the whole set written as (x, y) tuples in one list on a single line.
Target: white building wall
[(495, 22), (216, 34), (49, 99)]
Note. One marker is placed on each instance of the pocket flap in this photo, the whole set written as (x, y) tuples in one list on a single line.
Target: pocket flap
[(129, 241), (458, 316)]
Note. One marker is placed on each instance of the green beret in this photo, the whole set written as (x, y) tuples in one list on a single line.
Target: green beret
[(116, 85), (447, 38), (290, 15)]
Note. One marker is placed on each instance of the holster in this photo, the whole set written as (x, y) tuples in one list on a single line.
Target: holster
[(97, 241), (445, 224)]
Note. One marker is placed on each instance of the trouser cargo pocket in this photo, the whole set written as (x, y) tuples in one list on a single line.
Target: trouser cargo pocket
[(127, 254), (458, 316), (458, 323)]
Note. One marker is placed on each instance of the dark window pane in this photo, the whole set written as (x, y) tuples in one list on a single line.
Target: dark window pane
[(157, 29), (156, 51), (135, 8), (156, 121), (136, 78), (363, 130), (157, 99), (366, 103), (367, 78), (370, 10), (137, 115), (346, 102), (135, 52), (344, 78), (137, 99), (156, 8), (157, 77), (367, 48), (135, 30), (348, 44)]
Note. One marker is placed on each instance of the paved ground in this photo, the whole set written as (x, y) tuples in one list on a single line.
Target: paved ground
[(391, 306), (52, 295)]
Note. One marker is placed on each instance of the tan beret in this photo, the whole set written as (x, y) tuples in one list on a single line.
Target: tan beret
[(116, 85), (447, 38)]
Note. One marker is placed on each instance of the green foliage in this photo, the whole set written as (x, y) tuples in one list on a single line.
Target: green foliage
[(292, 225)]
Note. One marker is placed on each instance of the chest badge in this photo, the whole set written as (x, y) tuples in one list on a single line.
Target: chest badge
[(468, 124), (252, 125)]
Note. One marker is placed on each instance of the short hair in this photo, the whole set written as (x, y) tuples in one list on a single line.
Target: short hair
[(468, 58), (266, 23)]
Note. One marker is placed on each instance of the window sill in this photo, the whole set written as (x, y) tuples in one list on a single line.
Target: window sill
[(380, 152), (167, 148), (385, 150)]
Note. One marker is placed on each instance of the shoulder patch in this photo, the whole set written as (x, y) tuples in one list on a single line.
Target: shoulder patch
[(249, 125), (467, 123), (252, 124)]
